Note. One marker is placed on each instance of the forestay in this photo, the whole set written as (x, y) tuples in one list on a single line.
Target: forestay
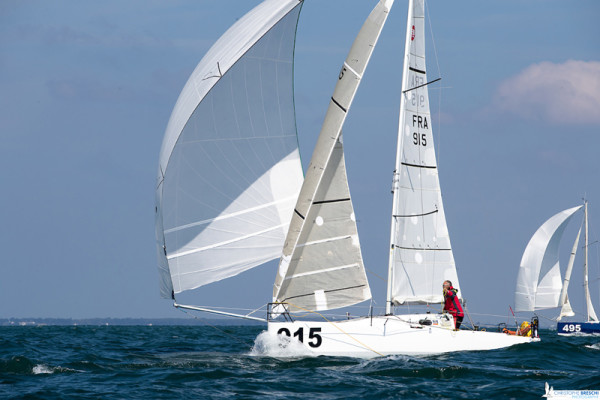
[(322, 267), (421, 257), (229, 171), (591, 313), (539, 281)]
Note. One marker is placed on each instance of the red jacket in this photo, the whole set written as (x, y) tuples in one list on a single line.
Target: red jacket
[(452, 304)]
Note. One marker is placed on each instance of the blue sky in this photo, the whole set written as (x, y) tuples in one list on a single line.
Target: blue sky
[(87, 89)]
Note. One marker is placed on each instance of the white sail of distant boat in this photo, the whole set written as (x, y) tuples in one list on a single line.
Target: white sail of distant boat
[(539, 281), (217, 218), (539, 284), (229, 168)]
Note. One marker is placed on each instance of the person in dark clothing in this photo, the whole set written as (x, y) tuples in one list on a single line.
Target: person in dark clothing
[(452, 304)]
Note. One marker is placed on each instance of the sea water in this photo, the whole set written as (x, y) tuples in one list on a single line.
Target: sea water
[(227, 362)]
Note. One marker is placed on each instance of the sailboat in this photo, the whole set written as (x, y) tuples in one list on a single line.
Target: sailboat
[(539, 283), (216, 219)]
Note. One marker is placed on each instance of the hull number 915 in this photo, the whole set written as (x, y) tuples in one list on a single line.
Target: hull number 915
[(313, 335)]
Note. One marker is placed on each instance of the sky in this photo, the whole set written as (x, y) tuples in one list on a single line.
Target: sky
[(87, 88)]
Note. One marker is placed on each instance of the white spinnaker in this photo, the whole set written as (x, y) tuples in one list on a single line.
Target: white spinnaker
[(539, 281), (321, 267), (229, 167), (421, 257)]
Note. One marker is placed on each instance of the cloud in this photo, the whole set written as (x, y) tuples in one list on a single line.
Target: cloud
[(567, 93)]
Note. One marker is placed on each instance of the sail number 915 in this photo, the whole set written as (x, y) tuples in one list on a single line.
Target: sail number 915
[(419, 139), (572, 328), (313, 334)]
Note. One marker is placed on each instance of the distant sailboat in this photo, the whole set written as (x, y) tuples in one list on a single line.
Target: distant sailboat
[(240, 223), (539, 284)]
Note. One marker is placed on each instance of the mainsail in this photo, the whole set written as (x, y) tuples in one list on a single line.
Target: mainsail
[(421, 257), (321, 267), (229, 171), (539, 281)]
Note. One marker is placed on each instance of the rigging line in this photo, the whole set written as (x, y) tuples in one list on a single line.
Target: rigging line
[(255, 310), (232, 308), (326, 291), (340, 329), (549, 319), (439, 135), (490, 315), (368, 270), (468, 315), (219, 330), (432, 39), (440, 74)]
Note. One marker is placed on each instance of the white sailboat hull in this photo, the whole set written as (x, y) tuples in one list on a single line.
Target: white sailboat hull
[(368, 337)]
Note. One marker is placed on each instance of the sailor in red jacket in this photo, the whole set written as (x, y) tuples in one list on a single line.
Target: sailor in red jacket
[(452, 304)]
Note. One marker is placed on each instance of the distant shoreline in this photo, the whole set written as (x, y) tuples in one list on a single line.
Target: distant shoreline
[(124, 322), (153, 322)]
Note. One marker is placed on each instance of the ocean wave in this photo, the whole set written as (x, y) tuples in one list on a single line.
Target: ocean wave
[(277, 346), (42, 369), (45, 369), (144, 362)]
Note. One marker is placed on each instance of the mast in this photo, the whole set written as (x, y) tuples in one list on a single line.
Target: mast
[(566, 310), (396, 177), (591, 314)]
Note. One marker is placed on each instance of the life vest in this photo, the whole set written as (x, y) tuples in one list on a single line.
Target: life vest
[(452, 304), (525, 329)]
